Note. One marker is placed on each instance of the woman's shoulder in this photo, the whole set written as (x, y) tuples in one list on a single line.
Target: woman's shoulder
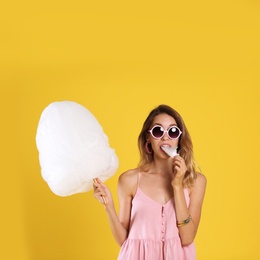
[(200, 184), (201, 179), (129, 179), (129, 175)]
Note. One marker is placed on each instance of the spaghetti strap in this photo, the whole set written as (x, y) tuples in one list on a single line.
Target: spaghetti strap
[(137, 183)]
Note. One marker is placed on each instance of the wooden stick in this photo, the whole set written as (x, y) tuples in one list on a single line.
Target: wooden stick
[(103, 198)]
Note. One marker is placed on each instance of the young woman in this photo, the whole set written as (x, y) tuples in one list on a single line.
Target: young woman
[(161, 200)]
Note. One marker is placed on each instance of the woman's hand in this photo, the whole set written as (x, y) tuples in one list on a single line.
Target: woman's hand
[(179, 170), (102, 193)]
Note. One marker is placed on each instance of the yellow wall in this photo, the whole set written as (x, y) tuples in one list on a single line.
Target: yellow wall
[(120, 59)]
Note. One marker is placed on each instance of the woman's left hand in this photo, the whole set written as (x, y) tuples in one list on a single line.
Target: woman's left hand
[(179, 170)]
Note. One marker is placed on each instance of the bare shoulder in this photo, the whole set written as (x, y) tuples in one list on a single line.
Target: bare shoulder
[(199, 186), (201, 180), (127, 182)]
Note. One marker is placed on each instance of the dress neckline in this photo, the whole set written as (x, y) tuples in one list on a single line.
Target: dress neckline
[(158, 203)]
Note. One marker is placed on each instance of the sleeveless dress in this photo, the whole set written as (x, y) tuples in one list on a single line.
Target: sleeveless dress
[(153, 234)]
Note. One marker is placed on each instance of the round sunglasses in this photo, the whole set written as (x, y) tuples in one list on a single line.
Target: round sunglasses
[(158, 132)]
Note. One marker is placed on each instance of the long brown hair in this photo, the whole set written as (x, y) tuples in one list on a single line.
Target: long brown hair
[(185, 146)]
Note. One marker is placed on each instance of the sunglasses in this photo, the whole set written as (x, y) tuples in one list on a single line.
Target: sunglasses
[(158, 132)]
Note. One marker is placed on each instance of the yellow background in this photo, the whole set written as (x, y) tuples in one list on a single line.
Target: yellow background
[(120, 59)]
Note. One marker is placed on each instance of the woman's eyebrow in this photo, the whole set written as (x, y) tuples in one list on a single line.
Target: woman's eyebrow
[(174, 124)]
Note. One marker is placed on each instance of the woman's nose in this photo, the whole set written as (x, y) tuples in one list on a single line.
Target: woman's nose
[(165, 136)]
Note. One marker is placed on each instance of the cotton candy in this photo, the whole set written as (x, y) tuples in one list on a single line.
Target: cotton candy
[(73, 149), (171, 151)]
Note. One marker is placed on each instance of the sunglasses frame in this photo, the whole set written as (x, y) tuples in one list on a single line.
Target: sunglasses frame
[(165, 131)]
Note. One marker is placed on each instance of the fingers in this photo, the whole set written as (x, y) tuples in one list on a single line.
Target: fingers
[(98, 186), (100, 196), (102, 199), (179, 164), (99, 191), (96, 181)]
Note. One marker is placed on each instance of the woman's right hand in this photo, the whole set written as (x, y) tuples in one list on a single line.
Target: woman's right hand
[(102, 192)]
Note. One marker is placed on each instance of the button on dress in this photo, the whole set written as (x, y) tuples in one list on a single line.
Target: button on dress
[(153, 234)]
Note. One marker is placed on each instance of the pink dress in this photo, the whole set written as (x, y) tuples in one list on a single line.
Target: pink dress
[(153, 234)]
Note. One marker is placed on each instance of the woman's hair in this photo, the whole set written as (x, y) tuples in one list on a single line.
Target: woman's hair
[(185, 147)]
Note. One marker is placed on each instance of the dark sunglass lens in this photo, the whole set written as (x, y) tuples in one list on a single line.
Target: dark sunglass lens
[(157, 132), (173, 132)]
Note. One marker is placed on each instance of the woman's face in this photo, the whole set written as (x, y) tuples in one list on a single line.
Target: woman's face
[(165, 121)]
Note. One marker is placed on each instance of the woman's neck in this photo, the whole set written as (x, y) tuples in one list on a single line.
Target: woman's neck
[(162, 167)]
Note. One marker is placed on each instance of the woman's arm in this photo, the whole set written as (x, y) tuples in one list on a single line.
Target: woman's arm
[(188, 231), (118, 223)]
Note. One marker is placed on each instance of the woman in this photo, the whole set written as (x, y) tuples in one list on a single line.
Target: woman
[(161, 200)]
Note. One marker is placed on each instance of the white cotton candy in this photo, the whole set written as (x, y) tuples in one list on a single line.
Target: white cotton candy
[(73, 149), (171, 151)]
